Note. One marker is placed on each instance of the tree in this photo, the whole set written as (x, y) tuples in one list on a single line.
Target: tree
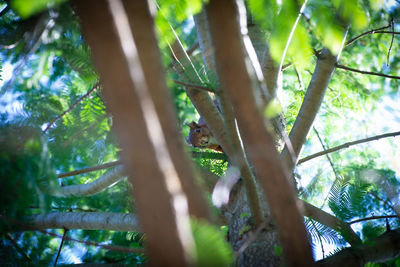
[(128, 107)]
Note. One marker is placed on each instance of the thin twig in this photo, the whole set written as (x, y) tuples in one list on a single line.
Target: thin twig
[(291, 35), (108, 247), (194, 86), (391, 43), (367, 72), (61, 245), (70, 108), (330, 162), (389, 32), (91, 169), (346, 145), (18, 248), (374, 218), (208, 155), (366, 33)]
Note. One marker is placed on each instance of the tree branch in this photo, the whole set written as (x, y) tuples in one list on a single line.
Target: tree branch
[(380, 249), (142, 26), (18, 248), (331, 221), (98, 185), (378, 30), (367, 72), (71, 107), (138, 127), (310, 106), (82, 220), (234, 77), (374, 218), (102, 246), (194, 86), (4, 10), (201, 100), (346, 145), (90, 169), (391, 42), (61, 245), (238, 158)]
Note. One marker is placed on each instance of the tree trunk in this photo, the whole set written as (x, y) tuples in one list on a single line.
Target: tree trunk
[(235, 79)]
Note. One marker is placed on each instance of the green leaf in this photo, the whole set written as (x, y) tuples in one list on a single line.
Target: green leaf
[(273, 109), (212, 249), (278, 250), (27, 8)]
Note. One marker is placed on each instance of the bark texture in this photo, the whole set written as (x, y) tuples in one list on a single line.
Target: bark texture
[(98, 185), (142, 26), (238, 156), (234, 77), (381, 249), (157, 189), (85, 220), (310, 106)]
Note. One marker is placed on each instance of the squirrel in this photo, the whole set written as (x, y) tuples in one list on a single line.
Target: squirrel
[(200, 136)]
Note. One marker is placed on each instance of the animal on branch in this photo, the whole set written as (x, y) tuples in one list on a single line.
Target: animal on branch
[(200, 136)]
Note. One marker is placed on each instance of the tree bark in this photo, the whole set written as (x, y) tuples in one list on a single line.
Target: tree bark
[(142, 27), (331, 221), (234, 77), (98, 185), (157, 189), (381, 249), (85, 220), (238, 156), (310, 106)]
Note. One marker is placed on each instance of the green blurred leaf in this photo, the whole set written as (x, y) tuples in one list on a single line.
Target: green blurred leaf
[(278, 250), (211, 246), (273, 109), (27, 8)]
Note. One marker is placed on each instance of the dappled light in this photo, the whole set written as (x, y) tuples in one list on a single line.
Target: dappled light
[(199, 133)]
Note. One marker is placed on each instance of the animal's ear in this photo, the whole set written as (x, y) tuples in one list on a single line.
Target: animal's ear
[(192, 125)]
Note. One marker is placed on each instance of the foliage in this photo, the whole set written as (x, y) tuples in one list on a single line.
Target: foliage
[(211, 247), (52, 70), (25, 169), (27, 8)]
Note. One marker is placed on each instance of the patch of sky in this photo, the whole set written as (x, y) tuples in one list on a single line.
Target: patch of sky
[(9, 103)]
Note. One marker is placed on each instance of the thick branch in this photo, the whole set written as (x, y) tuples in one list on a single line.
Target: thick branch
[(381, 249), (142, 27), (346, 145), (202, 101), (146, 157), (310, 106), (234, 77), (367, 72), (239, 157), (98, 185), (84, 220), (331, 221)]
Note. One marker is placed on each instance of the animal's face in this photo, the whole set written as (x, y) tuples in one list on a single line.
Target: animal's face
[(199, 135)]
